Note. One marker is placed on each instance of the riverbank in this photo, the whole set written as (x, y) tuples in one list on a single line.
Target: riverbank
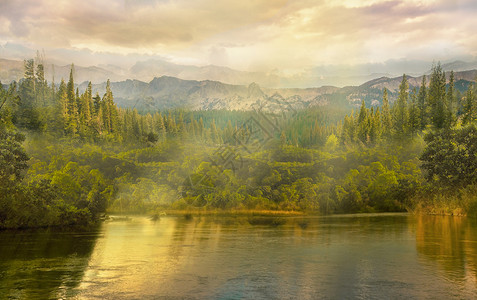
[(461, 202), (200, 212)]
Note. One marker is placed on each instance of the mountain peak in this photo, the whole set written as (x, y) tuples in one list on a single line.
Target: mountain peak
[(254, 91)]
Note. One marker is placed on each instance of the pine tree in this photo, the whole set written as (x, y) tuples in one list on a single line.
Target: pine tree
[(214, 133), (414, 114), (201, 130), (160, 129), (96, 105), (61, 108), (375, 126), (422, 104), (180, 123), (228, 133), (469, 110), (437, 99), (72, 109), (97, 115), (27, 114), (451, 101), (193, 126), (108, 109), (135, 124), (400, 112), (386, 118), (363, 123), (28, 85), (348, 133), (87, 103), (41, 85), (79, 104)]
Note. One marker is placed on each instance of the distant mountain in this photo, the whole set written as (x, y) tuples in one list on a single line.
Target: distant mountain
[(314, 77), (147, 70), (458, 66), (81, 74), (168, 92), (392, 84), (10, 70)]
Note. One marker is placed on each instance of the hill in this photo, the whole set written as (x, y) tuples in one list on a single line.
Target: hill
[(167, 92)]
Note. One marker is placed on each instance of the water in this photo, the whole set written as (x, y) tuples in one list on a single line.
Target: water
[(395, 256)]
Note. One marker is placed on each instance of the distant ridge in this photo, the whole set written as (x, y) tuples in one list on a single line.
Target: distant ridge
[(168, 92), (146, 71)]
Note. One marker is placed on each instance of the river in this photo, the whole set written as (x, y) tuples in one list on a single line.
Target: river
[(383, 256)]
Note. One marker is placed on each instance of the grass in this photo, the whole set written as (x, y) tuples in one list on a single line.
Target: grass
[(461, 202)]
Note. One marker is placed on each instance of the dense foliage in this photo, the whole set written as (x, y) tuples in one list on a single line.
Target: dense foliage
[(84, 156)]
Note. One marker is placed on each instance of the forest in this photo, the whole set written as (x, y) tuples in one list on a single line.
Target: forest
[(69, 158)]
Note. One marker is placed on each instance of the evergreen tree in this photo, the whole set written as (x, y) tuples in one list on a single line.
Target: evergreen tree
[(135, 124), (27, 114), (451, 101), (469, 111), (96, 105), (87, 103), (214, 133), (437, 99), (72, 108), (363, 123), (386, 118), (193, 125), (41, 85), (62, 107), (374, 127), (85, 112), (422, 104), (159, 126), (28, 85), (228, 133), (400, 112), (414, 114), (348, 133), (106, 108)]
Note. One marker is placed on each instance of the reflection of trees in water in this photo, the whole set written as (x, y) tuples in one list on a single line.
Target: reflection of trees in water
[(201, 229), (43, 264), (470, 247), (451, 242)]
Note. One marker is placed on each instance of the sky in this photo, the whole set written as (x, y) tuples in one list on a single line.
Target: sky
[(249, 35)]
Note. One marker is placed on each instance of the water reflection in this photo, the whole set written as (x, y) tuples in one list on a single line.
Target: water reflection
[(43, 264), (451, 244), (354, 256)]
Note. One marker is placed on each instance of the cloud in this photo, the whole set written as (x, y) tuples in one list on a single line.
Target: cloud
[(324, 34), (131, 24), (218, 56), (249, 34)]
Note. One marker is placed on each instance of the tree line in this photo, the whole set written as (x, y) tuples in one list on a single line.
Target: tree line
[(68, 157)]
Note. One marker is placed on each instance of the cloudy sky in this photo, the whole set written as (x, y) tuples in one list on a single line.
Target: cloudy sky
[(242, 34)]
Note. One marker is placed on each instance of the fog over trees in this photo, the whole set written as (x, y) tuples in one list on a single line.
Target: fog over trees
[(69, 157)]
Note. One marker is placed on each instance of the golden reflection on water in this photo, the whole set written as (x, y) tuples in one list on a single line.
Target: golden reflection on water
[(450, 243), (342, 256), (350, 256)]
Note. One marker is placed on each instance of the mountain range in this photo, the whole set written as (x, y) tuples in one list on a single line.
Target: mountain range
[(147, 70), (167, 92), (232, 89)]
